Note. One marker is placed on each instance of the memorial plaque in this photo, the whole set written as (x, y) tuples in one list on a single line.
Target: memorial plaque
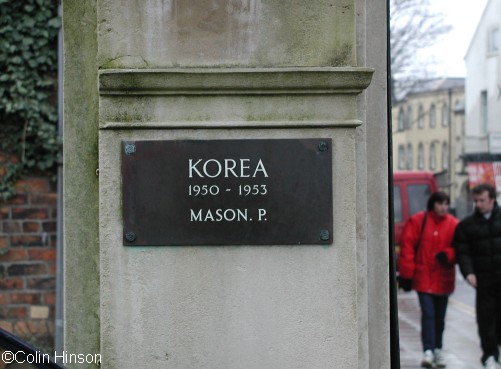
[(227, 192)]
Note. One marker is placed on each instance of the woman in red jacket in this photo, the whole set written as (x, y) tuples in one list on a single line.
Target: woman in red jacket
[(426, 264)]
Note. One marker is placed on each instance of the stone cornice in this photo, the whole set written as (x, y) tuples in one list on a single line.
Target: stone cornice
[(234, 81)]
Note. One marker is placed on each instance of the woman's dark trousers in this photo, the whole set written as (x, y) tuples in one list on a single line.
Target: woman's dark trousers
[(433, 309)]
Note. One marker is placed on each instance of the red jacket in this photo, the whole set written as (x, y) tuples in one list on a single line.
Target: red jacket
[(419, 263)]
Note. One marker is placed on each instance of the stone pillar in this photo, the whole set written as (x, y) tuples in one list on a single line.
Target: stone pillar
[(226, 70)]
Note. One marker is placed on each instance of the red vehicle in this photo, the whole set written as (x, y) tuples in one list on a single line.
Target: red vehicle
[(411, 191)]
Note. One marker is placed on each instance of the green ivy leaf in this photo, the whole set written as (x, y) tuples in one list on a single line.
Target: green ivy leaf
[(27, 41), (55, 23)]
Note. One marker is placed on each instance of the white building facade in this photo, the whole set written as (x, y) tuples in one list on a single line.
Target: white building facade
[(483, 95)]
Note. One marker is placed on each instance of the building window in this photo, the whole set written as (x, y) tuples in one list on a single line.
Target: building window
[(433, 116), (445, 156), (420, 160), (409, 118), (401, 157), (445, 115), (433, 156), (401, 119), (493, 40), (409, 157), (484, 122), (421, 117)]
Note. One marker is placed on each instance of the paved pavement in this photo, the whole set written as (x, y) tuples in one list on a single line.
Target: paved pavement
[(461, 342)]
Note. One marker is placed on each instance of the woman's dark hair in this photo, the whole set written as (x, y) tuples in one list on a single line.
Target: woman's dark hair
[(438, 196)]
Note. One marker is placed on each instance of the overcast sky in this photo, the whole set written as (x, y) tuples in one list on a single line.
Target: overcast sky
[(450, 51)]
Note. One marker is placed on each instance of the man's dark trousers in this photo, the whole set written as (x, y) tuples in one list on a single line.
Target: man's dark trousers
[(488, 316)]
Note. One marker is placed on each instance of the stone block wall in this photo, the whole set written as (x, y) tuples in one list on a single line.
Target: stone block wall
[(28, 260)]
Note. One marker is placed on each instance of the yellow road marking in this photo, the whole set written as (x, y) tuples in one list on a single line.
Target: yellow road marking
[(465, 308)]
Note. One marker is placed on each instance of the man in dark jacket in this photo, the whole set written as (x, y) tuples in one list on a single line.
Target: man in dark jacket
[(478, 252)]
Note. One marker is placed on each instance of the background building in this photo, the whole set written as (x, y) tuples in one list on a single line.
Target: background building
[(483, 99), (428, 125)]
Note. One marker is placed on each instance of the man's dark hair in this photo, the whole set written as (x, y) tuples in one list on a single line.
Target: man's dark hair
[(439, 197), (481, 188)]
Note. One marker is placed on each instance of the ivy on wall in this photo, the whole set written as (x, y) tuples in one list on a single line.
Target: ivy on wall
[(28, 89)]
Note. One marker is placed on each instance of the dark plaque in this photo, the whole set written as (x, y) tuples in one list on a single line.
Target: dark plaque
[(227, 192)]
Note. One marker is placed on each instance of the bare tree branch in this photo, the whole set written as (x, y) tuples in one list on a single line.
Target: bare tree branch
[(413, 27)]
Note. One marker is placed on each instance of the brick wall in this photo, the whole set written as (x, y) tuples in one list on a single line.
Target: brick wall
[(28, 261)]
